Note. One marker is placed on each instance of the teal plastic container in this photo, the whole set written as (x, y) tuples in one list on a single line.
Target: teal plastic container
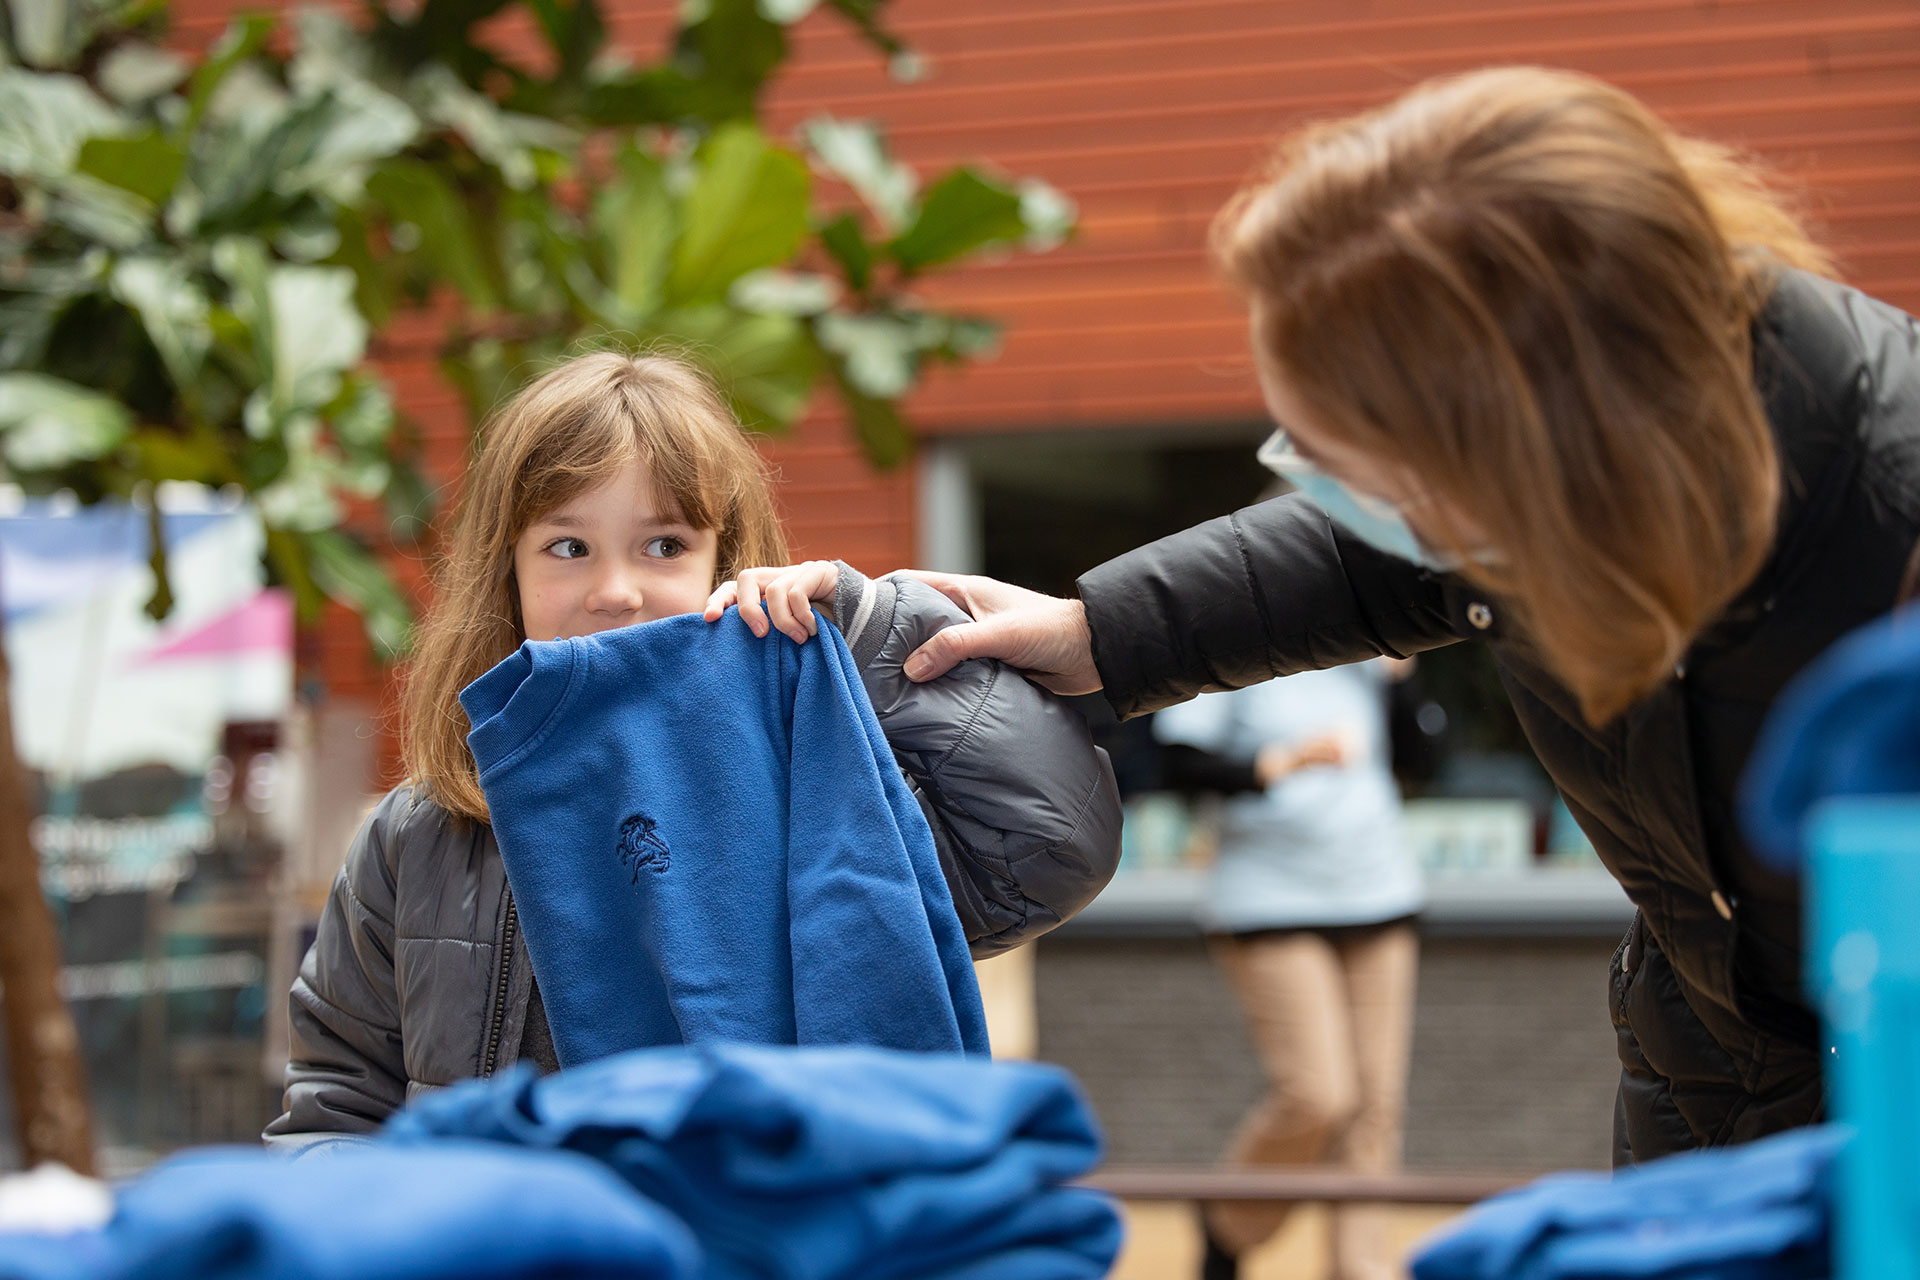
[(1863, 912)]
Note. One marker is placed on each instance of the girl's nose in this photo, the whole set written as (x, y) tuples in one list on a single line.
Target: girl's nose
[(615, 592)]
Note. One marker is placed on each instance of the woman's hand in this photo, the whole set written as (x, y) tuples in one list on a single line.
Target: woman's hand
[(779, 598), (1044, 637)]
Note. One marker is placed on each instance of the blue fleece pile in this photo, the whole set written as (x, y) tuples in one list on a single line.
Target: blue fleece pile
[(456, 1211), (709, 840), (1757, 1212), (1848, 725), (818, 1164)]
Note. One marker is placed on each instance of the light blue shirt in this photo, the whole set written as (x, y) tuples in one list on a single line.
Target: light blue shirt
[(1322, 846)]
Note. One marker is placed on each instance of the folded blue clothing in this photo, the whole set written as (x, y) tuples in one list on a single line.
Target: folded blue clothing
[(1848, 725), (818, 1164), (454, 1211), (1762, 1211), (708, 840)]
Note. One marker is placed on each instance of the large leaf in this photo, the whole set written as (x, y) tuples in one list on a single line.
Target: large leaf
[(879, 353), (241, 41), (348, 572), (725, 51), (419, 194), (317, 334), (847, 243), (877, 424), (100, 212), (44, 119), (147, 163), (854, 153), (747, 209), (47, 423), (136, 72), (962, 212), (636, 218), (505, 139), (174, 313), (865, 15), (575, 31), (765, 364)]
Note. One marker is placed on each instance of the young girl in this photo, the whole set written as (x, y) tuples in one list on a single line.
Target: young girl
[(616, 491)]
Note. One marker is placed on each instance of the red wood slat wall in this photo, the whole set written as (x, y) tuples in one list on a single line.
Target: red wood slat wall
[(1150, 112)]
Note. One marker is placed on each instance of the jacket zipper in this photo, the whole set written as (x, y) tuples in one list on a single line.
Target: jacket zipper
[(500, 987)]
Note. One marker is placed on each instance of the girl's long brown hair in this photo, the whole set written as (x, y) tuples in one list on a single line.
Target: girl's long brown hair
[(1526, 294), (559, 437)]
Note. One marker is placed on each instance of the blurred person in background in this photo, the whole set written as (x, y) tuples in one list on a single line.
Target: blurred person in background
[(1558, 379), (1310, 907)]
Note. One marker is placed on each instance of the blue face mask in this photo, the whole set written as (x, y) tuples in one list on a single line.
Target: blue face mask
[(1373, 521)]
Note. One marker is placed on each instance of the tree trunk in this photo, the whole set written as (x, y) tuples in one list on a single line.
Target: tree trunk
[(50, 1105)]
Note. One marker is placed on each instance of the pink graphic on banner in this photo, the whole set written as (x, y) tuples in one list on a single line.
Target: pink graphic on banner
[(263, 624)]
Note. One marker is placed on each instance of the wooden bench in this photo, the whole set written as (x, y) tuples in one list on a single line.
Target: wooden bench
[(1299, 1185)]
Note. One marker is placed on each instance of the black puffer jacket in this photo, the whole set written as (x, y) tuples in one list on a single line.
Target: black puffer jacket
[(1716, 1042)]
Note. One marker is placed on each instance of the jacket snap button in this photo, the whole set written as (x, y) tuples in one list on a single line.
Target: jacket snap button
[(1721, 905), (1479, 615)]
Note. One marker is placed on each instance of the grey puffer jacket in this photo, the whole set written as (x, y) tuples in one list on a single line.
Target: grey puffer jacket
[(419, 976)]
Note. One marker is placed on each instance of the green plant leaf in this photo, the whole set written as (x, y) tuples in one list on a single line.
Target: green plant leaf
[(349, 573), (44, 119), (854, 153), (147, 163), (154, 455), (317, 334), (1048, 214), (574, 30), (135, 72), (765, 364), (876, 422), (100, 212), (242, 40), (174, 313), (962, 212), (747, 209), (725, 51), (504, 139), (635, 216), (879, 353), (777, 291), (865, 16), (847, 244), (417, 193), (47, 423)]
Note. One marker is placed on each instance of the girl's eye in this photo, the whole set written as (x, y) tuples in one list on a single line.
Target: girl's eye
[(567, 548), (666, 548)]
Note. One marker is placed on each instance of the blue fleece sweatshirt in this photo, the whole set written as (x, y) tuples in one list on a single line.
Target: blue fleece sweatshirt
[(454, 1211), (822, 1164), (708, 840), (1763, 1211)]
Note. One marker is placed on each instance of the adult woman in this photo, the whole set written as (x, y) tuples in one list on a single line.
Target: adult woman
[(1568, 385)]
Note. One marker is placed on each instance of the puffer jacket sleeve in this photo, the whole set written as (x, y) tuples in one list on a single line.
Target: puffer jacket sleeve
[(345, 1074), (1024, 809), (1270, 590)]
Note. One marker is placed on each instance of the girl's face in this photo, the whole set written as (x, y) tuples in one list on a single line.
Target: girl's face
[(609, 559)]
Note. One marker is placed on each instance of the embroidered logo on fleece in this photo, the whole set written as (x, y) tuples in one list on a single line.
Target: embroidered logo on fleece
[(641, 847)]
